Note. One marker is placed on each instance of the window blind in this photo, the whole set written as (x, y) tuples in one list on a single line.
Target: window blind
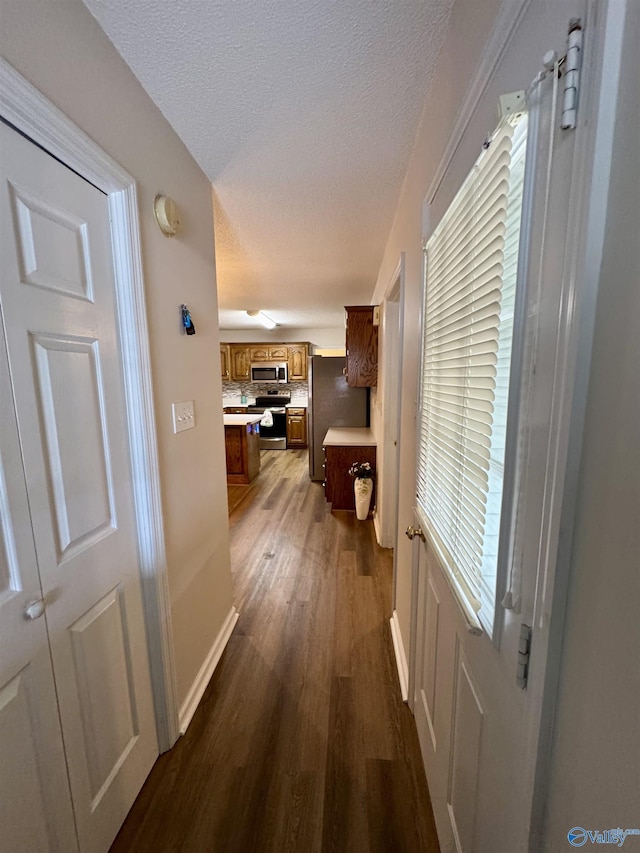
[(468, 309)]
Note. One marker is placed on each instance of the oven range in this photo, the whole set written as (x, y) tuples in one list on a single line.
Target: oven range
[(273, 437)]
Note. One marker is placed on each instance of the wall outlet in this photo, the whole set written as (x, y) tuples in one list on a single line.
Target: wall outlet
[(183, 416)]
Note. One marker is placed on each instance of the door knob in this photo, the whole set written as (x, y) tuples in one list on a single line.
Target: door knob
[(415, 531), (34, 609)]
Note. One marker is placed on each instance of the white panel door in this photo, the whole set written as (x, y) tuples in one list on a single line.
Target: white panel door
[(59, 317), (470, 716), (35, 803)]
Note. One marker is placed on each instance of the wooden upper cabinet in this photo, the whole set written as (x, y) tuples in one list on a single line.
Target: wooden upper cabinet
[(225, 365), (270, 352), (240, 357), (278, 352), (240, 363), (297, 362), (259, 353), (362, 345)]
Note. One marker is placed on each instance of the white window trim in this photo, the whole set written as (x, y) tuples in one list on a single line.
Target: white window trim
[(476, 616)]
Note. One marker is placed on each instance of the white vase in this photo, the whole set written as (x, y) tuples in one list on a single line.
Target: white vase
[(362, 489)]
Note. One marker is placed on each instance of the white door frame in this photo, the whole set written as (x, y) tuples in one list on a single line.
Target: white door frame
[(392, 329), (393, 360), (24, 107)]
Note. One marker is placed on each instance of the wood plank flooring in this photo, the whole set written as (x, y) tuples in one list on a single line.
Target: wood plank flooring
[(302, 741)]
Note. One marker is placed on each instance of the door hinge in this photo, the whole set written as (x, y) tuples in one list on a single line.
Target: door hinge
[(524, 651), (572, 62)]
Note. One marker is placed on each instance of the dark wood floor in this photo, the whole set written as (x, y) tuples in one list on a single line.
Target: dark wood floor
[(302, 741)]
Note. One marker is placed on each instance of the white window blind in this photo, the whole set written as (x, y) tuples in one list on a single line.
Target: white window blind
[(469, 296)]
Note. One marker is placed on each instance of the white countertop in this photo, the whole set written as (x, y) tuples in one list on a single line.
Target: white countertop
[(299, 401), (241, 420), (350, 437)]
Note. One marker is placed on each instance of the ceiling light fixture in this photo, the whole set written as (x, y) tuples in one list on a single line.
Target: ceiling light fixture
[(267, 322)]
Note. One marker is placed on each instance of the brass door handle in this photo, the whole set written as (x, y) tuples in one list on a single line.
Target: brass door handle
[(415, 531)]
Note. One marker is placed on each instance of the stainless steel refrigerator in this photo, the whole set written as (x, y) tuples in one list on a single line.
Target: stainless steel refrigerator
[(332, 403)]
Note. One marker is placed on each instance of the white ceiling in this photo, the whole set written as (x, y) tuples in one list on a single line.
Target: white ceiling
[(303, 114)]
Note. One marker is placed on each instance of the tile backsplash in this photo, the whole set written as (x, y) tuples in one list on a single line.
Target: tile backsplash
[(232, 392)]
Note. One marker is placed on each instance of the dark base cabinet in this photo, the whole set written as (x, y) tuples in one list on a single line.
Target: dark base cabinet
[(242, 452), (338, 487), (296, 427)]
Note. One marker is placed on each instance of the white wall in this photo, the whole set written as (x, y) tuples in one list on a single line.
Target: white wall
[(319, 338), (595, 778), (469, 27), (59, 48)]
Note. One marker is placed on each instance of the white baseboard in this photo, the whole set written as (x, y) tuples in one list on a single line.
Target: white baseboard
[(188, 707), (376, 527), (401, 658)]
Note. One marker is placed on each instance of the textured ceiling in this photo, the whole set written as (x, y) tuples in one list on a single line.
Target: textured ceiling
[(303, 114)]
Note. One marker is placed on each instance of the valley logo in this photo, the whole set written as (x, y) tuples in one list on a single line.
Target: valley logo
[(578, 836)]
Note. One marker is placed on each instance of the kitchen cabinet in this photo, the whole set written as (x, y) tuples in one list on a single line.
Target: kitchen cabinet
[(268, 352), (235, 410), (296, 427), (297, 359), (238, 358), (362, 345), (342, 447), (242, 450), (240, 363), (225, 363)]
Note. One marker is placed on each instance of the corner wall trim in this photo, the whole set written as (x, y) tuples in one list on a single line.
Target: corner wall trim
[(202, 679), (401, 659)]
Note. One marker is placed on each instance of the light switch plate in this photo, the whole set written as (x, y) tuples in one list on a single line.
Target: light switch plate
[(183, 416)]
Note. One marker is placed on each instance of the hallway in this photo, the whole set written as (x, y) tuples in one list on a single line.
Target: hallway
[(302, 741)]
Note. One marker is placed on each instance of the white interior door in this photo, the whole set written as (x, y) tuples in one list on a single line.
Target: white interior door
[(35, 804), (470, 716), (58, 312)]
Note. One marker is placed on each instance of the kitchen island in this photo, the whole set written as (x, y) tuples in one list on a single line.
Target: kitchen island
[(241, 435), (342, 447)]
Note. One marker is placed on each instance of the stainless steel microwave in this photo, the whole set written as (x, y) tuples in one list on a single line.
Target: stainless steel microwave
[(270, 371)]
